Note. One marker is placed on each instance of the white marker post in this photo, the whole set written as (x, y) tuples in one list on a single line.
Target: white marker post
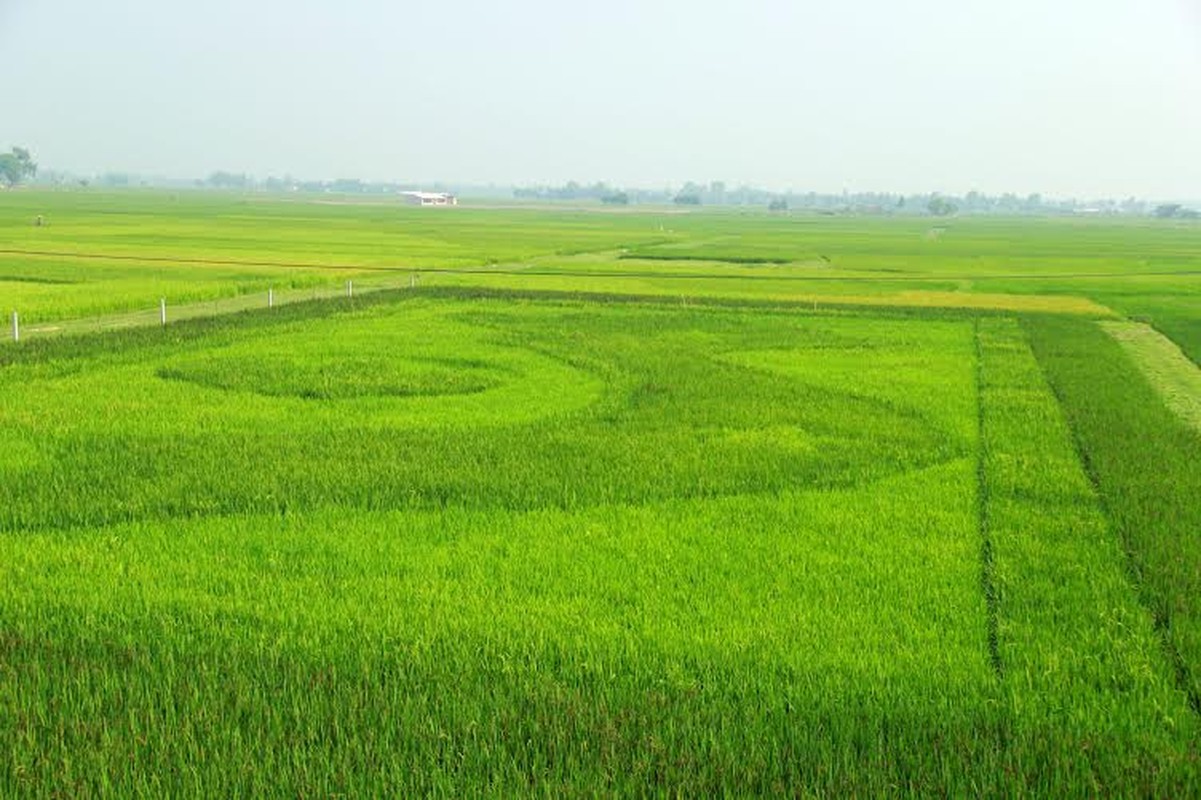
[(162, 311), (349, 289), (16, 328), (270, 297), (412, 281)]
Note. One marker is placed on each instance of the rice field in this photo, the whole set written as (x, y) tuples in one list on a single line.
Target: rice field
[(607, 503), (1166, 368)]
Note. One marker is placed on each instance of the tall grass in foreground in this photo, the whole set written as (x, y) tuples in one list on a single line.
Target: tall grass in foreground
[(743, 645)]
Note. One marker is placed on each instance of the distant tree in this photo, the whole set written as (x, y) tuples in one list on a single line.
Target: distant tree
[(616, 199), (228, 180), (347, 185), (685, 198), (16, 166), (940, 206), (1168, 210), (778, 204)]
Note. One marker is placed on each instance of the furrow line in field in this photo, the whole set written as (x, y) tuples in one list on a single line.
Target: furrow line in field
[(1160, 619), (987, 569)]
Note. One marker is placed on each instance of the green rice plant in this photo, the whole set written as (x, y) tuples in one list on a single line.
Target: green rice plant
[(1074, 645), (119, 252), (504, 590), (567, 519), (1167, 369), (1143, 460), (471, 403), (707, 646)]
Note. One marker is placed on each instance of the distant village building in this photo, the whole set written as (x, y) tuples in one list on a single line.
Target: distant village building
[(430, 198)]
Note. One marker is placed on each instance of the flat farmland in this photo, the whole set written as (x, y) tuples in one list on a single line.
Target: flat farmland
[(604, 503)]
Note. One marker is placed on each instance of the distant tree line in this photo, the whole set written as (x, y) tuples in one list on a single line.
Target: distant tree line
[(243, 182), (879, 203), (17, 166), (1176, 211)]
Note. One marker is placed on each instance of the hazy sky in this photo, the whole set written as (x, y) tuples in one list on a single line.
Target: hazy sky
[(1065, 97)]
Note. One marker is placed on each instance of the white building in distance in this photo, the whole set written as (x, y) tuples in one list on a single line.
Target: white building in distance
[(430, 198)]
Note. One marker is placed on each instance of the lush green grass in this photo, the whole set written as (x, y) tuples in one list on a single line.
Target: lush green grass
[(102, 252), (1170, 303), (1144, 459), (111, 252), (609, 392), (566, 522), (614, 647), (219, 580), (1176, 379), (1074, 645)]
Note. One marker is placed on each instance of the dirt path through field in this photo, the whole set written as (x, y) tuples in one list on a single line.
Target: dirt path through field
[(1170, 371)]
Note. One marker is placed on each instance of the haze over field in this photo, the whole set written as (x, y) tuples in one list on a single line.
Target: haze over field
[(1080, 97)]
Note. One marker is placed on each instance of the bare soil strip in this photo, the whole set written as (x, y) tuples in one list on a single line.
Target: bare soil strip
[(1166, 367)]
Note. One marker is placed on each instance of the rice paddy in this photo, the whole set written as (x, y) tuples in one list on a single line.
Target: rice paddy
[(1167, 369), (605, 503)]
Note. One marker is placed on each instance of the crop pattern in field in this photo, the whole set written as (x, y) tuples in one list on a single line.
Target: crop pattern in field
[(510, 542)]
